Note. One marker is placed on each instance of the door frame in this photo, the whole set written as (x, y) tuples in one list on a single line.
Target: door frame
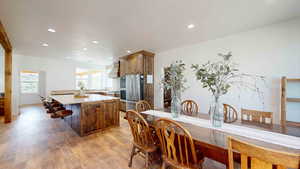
[(4, 41)]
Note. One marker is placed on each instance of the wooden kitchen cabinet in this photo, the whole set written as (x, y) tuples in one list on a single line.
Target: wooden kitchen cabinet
[(132, 64), (141, 62), (149, 65), (111, 118), (90, 117), (149, 87), (1, 106), (135, 64), (123, 67), (122, 106)]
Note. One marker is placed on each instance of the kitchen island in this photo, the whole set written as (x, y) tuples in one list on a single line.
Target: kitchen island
[(92, 114)]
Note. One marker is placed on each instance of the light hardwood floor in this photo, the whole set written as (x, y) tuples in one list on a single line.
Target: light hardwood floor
[(35, 141)]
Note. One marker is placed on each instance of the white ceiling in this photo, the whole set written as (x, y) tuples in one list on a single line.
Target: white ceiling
[(121, 25)]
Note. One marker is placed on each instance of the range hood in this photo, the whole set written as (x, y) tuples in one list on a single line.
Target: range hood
[(114, 73)]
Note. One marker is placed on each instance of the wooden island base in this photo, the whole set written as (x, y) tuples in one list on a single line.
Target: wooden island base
[(92, 114)]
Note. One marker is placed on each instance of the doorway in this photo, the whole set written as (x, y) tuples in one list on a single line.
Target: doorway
[(167, 92), (32, 87)]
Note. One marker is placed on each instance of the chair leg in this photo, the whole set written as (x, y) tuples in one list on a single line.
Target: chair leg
[(163, 166), (131, 156), (147, 160)]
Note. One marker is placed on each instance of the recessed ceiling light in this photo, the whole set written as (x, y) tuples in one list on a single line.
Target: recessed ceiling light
[(128, 51), (45, 44), (270, 1), (51, 30), (95, 42), (84, 49), (191, 26)]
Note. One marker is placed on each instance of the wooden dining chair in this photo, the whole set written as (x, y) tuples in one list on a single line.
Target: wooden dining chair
[(143, 141), (189, 107), (142, 105), (230, 114), (259, 117), (177, 146), (260, 157)]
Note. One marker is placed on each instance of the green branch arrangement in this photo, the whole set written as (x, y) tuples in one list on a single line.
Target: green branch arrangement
[(220, 76), (175, 74)]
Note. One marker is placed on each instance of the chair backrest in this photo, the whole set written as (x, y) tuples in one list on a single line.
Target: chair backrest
[(257, 116), (142, 105), (189, 107), (230, 114), (260, 157), (176, 143), (140, 129)]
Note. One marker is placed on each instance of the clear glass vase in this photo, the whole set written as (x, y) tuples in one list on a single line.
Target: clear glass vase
[(175, 103), (216, 113)]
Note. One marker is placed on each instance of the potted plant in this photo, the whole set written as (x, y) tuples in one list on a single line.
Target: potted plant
[(176, 83)]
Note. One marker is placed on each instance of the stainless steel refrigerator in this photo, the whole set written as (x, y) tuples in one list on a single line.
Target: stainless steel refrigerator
[(134, 90)]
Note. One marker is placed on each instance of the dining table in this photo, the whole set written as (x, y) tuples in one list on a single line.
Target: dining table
[(212, 141)]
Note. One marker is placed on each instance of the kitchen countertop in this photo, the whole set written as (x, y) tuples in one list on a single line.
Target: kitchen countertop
[(70, 92), (70, 99)]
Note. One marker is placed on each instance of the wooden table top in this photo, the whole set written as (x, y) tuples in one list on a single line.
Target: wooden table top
[(70, 99), (218, 139)]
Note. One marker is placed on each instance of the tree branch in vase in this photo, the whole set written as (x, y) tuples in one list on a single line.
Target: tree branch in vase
[(219, 77)]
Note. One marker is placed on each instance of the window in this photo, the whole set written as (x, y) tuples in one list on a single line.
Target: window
[(108, 80), (29, 82), (93, 79), (97, 81)]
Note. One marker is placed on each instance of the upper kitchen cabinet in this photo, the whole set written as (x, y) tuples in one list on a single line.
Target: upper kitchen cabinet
[(137, 63), (123, 67)]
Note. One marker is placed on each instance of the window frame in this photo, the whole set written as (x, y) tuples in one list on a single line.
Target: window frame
[(37, 82)]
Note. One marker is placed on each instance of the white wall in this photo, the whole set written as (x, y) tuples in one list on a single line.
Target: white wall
[(115, 84), (57, 75), (272, 51), (1, 69)]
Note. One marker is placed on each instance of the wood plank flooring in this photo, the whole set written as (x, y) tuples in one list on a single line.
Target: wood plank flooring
[(35, 141)]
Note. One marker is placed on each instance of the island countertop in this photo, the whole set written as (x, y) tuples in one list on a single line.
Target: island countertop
[(70, 99)]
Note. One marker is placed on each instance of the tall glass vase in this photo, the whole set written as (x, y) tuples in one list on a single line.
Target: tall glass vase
[(216, 113), (175, 103)]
